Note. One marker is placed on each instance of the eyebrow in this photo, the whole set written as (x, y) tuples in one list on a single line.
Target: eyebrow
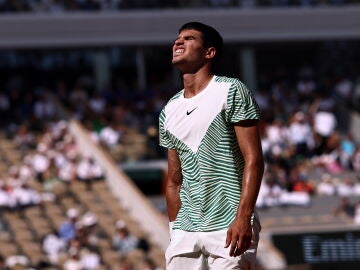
[(185, 37)]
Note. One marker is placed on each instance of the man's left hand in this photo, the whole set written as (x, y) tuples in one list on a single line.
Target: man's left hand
[(239, 237)]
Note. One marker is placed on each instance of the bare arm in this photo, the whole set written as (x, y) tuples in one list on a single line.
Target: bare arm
[(239, 233), (173, 184)]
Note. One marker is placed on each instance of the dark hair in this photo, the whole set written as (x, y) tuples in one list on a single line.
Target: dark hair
[(210, 36)]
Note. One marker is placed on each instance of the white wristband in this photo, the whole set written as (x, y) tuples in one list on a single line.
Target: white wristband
[(171, 224)]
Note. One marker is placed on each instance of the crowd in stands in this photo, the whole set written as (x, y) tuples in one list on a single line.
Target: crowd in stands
[(305, 150), (52, 160), (74, 242), (54, 6)]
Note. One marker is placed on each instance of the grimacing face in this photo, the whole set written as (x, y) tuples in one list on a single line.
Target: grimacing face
[(188, 50)]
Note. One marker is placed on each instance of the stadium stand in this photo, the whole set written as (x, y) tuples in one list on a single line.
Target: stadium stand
[(26, 228)]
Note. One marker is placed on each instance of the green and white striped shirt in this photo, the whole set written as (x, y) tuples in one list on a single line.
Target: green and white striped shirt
[(201, 130)]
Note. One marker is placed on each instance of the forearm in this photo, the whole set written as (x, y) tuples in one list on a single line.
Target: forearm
[(173, 185), (251, 182), (239, 234), (250, 145), (173, 201)]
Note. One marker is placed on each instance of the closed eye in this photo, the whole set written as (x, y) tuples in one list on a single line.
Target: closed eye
[(185, 38), (189, 37)]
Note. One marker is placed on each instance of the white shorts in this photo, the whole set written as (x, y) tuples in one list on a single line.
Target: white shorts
[(205, 250)]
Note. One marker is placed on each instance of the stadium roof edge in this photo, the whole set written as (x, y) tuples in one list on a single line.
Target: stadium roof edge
[(159, 27)]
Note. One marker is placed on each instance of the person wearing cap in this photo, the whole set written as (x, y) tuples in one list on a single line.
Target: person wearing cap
[(87, 230), (123, 241)]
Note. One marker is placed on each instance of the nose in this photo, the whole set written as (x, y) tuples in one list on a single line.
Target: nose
[(179, 41)]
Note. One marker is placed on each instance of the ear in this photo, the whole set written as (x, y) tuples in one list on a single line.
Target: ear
[(210, 53)]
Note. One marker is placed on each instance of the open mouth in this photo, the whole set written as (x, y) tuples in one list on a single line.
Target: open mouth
[(179, 51)]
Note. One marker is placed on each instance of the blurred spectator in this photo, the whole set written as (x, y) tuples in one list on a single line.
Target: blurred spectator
[(90, 260), (299, 177), (123, 241), (347, 151), (51, 182), (276, 133), (25, 196), (328, 162), (74, 244), (73, 262), (343, 88), (274, 141), (326, 186), (345, 207), (40, 161), (66, 169), (300, 135), (53, 246), (303, 185), (306, 86), (269, 194), (109, 136), (324, 126), (26, 172), (88, 171), (15, 192), (97, 104), (87, 230), (6, 200), (78, 100), (67, 229), (44, 109), (24, 139), (345, 187), (16, 261)]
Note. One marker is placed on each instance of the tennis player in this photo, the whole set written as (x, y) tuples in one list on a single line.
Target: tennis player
[(215, 162)]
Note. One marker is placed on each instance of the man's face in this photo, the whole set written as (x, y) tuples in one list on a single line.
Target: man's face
[(188, 50)]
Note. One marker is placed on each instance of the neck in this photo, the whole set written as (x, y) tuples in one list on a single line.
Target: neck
[(195, 83)]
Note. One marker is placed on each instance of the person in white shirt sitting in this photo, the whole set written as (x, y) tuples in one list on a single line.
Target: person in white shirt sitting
[(53, 246), (326, 186), (89, 171)]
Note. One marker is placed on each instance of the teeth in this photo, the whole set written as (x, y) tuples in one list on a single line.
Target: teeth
[(179, 51)]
